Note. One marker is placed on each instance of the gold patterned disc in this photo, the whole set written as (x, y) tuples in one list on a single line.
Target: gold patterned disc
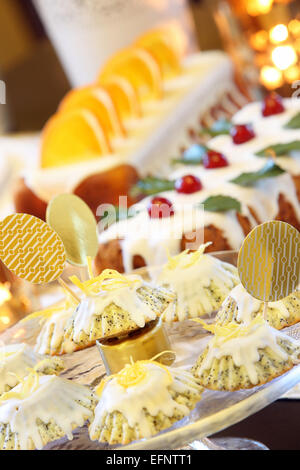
[(31, 249), (269, 261), (75, 223)]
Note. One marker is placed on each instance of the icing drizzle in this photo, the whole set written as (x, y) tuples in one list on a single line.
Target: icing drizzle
[(151, 393), (124, 295), (53, 399), (190, 280), (14, 360), (243, 345), (248, 305)]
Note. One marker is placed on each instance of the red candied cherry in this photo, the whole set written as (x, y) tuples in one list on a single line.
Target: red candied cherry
[(160, 207), (272, 104), (213, 159), (188, 184), (241, 133)]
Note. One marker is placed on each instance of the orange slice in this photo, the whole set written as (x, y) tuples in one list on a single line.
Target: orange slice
[(140, 68), (123, 95), (97, 100), (72, 137), (159, 43)]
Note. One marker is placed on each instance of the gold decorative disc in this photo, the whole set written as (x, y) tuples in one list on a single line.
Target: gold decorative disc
[(269, 261), (31, 249), (75, 223)]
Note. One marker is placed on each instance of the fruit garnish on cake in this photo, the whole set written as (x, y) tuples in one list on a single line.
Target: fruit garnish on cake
[(112, 305), (244, 356), (71, 137), (141, 400)]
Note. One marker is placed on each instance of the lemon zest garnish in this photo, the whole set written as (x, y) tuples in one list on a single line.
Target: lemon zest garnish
[(29, 386), (190, 258), (232, 330), (43, 314), (133, 374), (48, 312), (108, 280)]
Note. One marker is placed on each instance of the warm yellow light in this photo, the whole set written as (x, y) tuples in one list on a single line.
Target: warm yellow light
[(259, 40), (259, 7), (271, 77), (4, 294), (292, 74), (5, 319), (260, 60), (284, 56), (294, 27), (297, 45), (279, 33)]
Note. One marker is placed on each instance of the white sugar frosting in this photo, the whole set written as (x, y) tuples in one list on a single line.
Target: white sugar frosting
[(126, 298), (154, 238), (54, 328), (14, 360), (151, 394), (190, 283), (248, 305), (244, 350), (54, 399), (251, 113), (262, 197)]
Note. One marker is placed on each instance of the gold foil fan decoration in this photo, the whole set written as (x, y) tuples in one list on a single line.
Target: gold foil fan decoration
[(269, 261), (31, 249), (75, 223)]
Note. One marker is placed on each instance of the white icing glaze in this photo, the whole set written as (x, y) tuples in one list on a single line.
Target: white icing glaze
[(262, 198), (151, 238), (154, 238), (53, 327), (151, 394), (14, 359), (189, 284), (124, 297), (251, 113), (54, 399), (244, 350), (247, 305)]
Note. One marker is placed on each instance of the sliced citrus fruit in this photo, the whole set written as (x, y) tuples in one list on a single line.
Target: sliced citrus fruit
[(159, 43), (96, 99), (71, 137), (123, 95), (139, 67)]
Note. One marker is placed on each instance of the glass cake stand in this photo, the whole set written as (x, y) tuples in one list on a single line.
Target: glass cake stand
[(214, 412)]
